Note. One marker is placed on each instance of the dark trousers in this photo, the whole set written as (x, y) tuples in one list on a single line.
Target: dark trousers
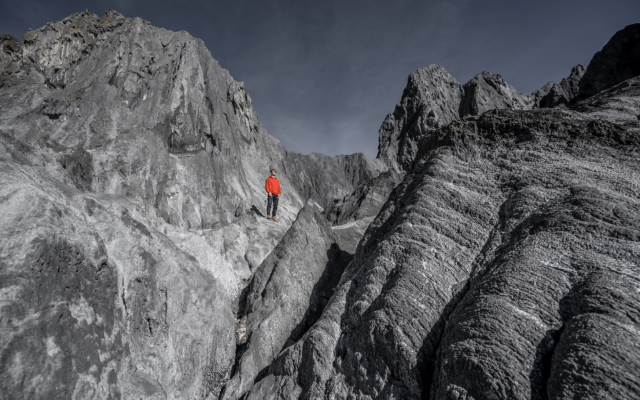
[(272, 199)]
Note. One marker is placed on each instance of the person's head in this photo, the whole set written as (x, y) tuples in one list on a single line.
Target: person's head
[(273, 172)]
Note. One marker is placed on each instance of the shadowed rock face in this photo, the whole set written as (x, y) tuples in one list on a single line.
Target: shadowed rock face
[(553, 95), (618, 61), (287, 295), (489, 91), (475, 267)]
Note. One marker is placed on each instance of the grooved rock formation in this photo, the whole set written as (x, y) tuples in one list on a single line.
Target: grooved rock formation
[(288, 292), (620, 104), (484, 256), (488, 254)]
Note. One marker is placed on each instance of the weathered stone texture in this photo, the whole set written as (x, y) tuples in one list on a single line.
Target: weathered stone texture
[(287, 295), (430, 100), (618, 61), (456, 286), (133, 203), (495, 255), (489, 91)]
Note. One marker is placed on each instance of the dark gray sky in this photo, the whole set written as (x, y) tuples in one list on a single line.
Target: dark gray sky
[(324, 74)]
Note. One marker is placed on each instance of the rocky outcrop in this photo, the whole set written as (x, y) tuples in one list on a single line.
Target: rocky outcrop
[(287, 295), (619, 104), (98, 298), (489, 91), (365, 201), (553, 95), (133, 206), (618, 61), (10, 57), (351, 215), (146, 102), (430, 100), (571, 84), (455, 287)]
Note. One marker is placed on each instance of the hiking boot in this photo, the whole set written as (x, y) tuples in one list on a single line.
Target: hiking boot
[(275, 219), (268, 216)]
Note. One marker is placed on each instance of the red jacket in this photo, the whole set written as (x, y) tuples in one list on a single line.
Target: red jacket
[(272, 185)]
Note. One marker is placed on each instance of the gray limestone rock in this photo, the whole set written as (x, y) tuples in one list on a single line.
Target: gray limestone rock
[(287, 295), (549, 96), (571, 84), (97, 297), (430, 100), (495, 256), (618, 61), (365, 201), (619, 104), (147, 119), (552, 95), (489, 91), (133, 203), (351, 215), (454, 290)]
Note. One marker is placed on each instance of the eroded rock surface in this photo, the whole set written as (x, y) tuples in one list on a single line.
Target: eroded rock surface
[(133, 204), (618, 61), (96, 300), (489, 91), (287, 295), (456, 285), (158, 116), (619, 104), (136, 262)]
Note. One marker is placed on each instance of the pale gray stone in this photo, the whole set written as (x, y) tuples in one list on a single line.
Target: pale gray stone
[(495, 254), (287, 295), (489, 91)]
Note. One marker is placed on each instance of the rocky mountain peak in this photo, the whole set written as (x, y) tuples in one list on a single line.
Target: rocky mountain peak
[(571, 84), (618, 61), (553, 95), (429, 101), (489, 91)]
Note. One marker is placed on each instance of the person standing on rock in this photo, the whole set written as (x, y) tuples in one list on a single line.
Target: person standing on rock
[(273, 190)]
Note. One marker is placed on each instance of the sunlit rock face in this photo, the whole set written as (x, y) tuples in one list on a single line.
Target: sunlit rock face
[(161, 119), (133, 207), (489, 251)]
